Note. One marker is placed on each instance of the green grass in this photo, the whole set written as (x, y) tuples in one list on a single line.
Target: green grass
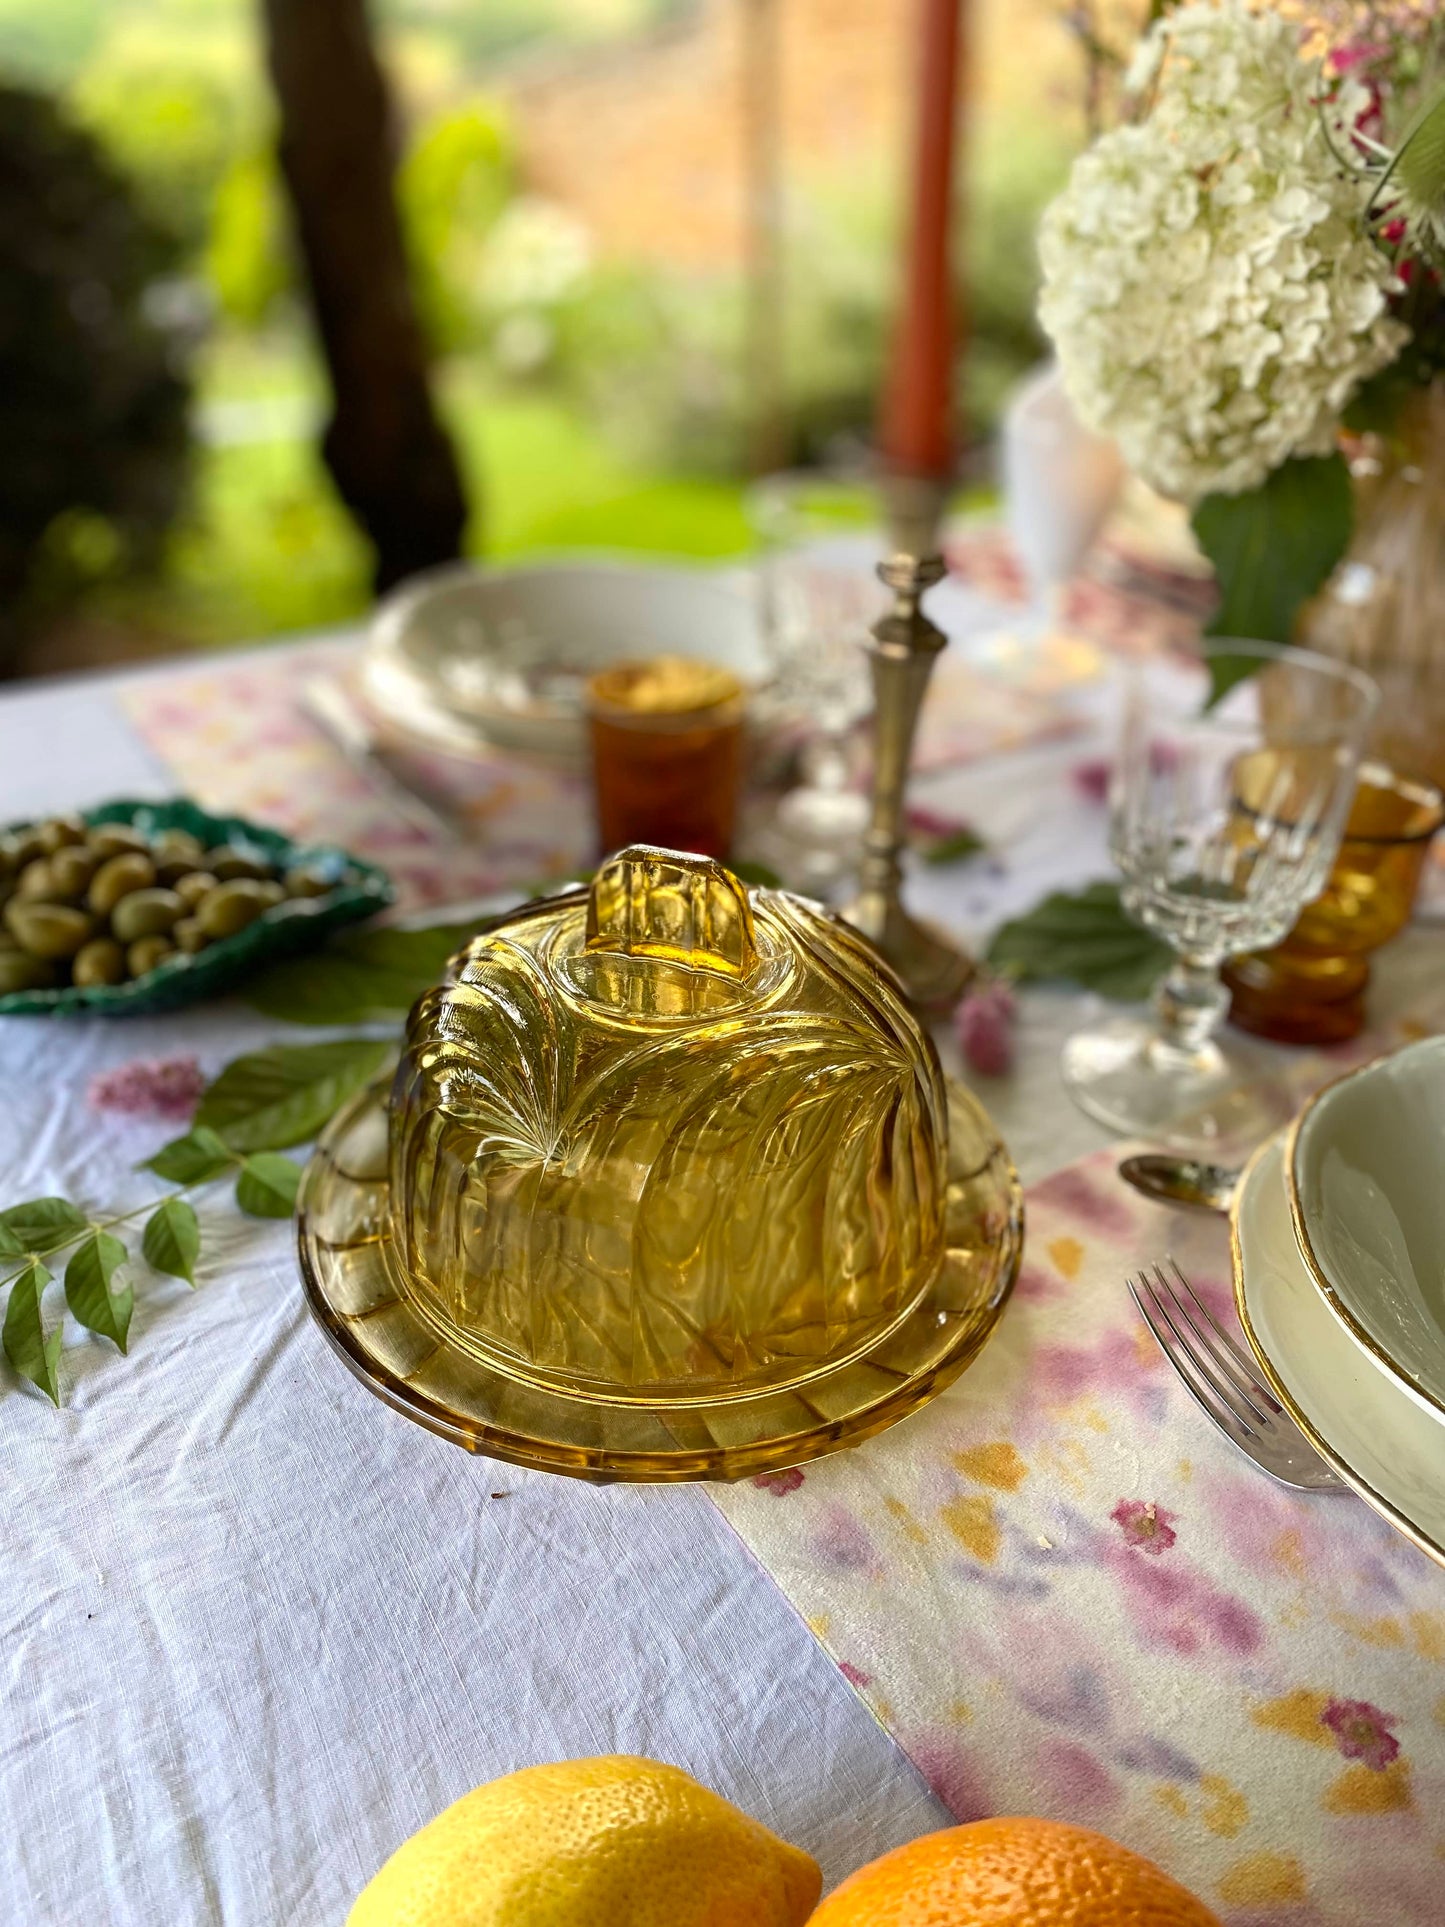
[(267, 547), (541, 477)]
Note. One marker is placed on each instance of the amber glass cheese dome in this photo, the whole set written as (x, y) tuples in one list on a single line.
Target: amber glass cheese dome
[(671, 1188), (659, 1140)]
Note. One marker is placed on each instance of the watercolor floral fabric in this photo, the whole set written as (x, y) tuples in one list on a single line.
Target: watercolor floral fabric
[(1064, 1593), (237, 739)]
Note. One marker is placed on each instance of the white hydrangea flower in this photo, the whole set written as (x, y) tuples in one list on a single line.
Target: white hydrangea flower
[(1208, 281)]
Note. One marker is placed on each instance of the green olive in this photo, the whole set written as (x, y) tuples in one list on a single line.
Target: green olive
[(33, 882), (47, 930), (191, 888), (101, 961), (114, 839), (146, 952), (20, 971), (117, 877), (60, 831), (146, 913), (70, 872), (188, 936), (24, 846), (231, 906), (176, 854), (177, 843), (228, 863), (304, 881)]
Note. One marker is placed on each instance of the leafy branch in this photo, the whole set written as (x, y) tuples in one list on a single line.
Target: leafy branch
[(259, 1106)]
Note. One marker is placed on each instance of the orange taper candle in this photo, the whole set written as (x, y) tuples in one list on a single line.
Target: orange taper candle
[(917, 427)]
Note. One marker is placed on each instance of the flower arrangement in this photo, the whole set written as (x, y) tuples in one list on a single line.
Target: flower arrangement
[(1245, 262)]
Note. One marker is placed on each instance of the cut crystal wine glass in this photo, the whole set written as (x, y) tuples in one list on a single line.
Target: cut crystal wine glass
[(1224, 821)]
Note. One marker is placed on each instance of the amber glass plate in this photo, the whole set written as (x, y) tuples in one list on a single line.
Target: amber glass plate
[(349, 1269)]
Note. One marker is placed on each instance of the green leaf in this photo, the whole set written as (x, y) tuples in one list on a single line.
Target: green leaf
[(87, 1287), (360, 977), (195, 1158), (282, 1096), (1086, 939), (954, 847), (10, 1245), (1271, 549), (267, 1186), (757, 874), (32, 1354), (172, 1239), (44, 1224), (1419, 163)]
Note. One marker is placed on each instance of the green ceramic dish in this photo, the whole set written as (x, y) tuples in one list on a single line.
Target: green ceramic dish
[(298, 924)]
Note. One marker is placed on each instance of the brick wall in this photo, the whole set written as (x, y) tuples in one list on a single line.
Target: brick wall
[(645, 140)]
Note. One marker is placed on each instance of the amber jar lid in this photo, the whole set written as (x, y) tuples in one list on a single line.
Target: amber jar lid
[(663, 689)]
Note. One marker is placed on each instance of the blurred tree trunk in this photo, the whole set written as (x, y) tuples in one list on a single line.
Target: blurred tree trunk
[(388, 452)]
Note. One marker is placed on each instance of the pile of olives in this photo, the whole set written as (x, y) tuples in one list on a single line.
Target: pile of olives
[(99, 905)]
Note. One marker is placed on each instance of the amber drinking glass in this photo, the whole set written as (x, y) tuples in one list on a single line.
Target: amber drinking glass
[(1310, 989), (667, 753)]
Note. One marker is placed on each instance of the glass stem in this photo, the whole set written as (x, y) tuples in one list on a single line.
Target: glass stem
[(1189, 1003), (825, 762)]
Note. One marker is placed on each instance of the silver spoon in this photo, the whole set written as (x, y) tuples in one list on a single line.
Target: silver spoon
[(1181, 1181)]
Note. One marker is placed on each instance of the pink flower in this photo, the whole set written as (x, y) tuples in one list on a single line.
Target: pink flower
[(984, 1027), (779, 1483), (160, 1087), (1092, 777), (852, 1674), (1147, 1527), (1362, 1732)]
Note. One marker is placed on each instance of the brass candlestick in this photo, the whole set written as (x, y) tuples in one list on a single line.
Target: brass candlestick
[(934, 971)]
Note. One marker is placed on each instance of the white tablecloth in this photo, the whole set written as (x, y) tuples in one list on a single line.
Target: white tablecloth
[(256, 1628)]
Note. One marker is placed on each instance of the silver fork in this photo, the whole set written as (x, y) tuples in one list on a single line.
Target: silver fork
[(1224, 1382)]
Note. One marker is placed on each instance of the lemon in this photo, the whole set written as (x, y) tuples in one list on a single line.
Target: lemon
[(611, 1842)]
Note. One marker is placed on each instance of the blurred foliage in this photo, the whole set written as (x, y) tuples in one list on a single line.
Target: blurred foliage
[(600, 402), (172, 128), (479, 33), (655, 356), (50, 40), (248, 262), (453, 183), (93, 392)]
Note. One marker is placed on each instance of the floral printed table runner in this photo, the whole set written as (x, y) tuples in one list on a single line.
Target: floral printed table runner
[(238, 739), (1063, 1592)]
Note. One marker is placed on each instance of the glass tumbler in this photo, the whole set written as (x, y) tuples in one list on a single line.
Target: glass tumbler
[(667, 754), (1224, 821), (1310, 989)]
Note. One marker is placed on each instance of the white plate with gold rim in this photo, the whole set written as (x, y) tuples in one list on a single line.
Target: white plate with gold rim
[(1383, 1443), (1365, 1171)]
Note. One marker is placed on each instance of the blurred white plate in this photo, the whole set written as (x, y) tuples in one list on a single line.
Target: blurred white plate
[(1366, 1179), (1357, 1416), (507, 652)]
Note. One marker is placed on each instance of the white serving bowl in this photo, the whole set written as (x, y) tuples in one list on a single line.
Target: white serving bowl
[(508, 651), (1366, 1178)]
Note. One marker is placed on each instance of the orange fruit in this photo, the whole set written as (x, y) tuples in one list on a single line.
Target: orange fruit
[(1012, 1873)]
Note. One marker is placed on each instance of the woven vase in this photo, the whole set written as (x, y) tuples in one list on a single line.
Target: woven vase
[(1384, 607)]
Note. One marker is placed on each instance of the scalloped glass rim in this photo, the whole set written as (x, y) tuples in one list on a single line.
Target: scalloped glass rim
[(349, 1277), (298, 924)]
